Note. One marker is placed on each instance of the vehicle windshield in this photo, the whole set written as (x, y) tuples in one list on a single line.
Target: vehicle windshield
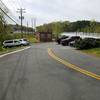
[(49, 49), (10, 41)]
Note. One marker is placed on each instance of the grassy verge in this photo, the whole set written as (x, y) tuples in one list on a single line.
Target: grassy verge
[(7, 50), (32, 39), (29, 37), (94, 51)]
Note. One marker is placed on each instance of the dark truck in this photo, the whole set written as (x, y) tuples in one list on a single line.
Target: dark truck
[(61, 38), (65, 42)]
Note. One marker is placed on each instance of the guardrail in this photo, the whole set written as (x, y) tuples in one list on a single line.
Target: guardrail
[(83, 35)]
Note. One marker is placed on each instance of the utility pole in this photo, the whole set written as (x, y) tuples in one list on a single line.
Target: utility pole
[(35, 24), (21, 17), (32, 25), (27, 27)]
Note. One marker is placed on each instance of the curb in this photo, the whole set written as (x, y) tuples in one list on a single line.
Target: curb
[(14, 52)]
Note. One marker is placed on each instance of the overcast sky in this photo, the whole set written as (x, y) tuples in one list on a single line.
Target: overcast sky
[(54, 10)]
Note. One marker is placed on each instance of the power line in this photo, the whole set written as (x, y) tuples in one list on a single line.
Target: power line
[(8, 15), (4, 10), (3, 6), (14, 5)]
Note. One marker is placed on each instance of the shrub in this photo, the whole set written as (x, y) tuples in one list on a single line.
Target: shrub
[(4, 37), (1, 48), (87, 43)]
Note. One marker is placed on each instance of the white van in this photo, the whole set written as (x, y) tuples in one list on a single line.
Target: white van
[(11, 43)]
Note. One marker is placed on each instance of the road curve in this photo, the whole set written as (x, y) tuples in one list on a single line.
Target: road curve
[(33, 75)]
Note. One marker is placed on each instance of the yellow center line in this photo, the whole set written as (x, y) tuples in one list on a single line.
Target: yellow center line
[(74, 67)]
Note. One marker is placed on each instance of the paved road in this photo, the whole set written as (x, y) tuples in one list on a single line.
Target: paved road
[(33, 75)]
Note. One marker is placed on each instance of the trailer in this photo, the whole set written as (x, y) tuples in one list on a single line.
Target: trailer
[(44, 36)]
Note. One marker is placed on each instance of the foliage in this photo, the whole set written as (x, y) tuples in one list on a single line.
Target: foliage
[(79, 26), (18, 28), (87, 43), (93, 51), (2, 24)]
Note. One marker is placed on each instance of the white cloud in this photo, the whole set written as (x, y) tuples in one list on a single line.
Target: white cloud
[(52, 10)]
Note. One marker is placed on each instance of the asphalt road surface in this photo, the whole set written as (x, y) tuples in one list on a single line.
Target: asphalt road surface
[(33, 75)]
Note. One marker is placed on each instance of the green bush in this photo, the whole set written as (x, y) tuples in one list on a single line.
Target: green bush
[(1, 48), (87, 43), (4, 37)]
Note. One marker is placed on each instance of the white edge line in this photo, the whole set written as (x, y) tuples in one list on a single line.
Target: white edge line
[(13, 52)]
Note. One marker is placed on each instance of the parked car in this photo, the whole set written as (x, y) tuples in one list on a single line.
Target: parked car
[(98, 39), (11, 43), (66, 42), (24, 42), (60, 38), (72, 43)]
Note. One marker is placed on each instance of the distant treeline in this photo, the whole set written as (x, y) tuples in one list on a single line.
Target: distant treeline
[(24, 28), (66, 26)]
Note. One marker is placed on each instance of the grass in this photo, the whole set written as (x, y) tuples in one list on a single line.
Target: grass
[(32, 39), (94, 51), (7, 50)]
